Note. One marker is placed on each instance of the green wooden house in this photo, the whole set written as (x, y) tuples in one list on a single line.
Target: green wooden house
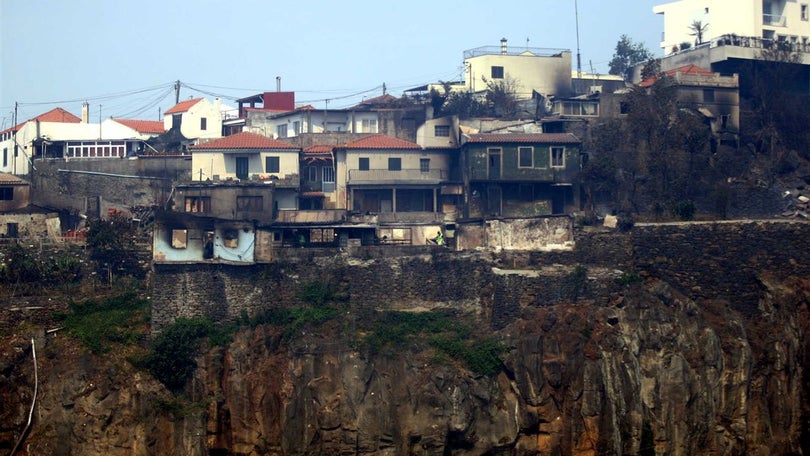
[(520, 175)]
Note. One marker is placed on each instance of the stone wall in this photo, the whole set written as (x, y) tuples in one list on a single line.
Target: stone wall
[(91, 185), (702, 260), (722, 260)]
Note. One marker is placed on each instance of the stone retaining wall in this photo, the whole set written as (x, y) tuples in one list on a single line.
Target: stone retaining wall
[(704, 260)]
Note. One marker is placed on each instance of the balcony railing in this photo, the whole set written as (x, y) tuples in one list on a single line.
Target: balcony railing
[(406, 175), (775, 20)]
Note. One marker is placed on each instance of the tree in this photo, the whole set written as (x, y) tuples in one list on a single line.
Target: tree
[(462, 104), (501, 97), (627, 54), (698, 29)]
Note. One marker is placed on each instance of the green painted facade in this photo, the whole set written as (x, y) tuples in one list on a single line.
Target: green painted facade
[(480, 156)]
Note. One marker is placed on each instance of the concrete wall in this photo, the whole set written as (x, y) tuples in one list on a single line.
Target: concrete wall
[(32, 225), (119, 183), (702, 260)]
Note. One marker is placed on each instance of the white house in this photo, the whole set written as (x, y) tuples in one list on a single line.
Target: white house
[(60, 134), (546, 71), (196, 118), (779, 20)]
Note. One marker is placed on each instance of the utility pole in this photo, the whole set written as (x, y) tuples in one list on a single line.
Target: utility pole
[(579, 62), (99, 122), (14, 138), (177, 92)]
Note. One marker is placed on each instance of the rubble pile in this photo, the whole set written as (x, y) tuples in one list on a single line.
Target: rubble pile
[(798, 203)]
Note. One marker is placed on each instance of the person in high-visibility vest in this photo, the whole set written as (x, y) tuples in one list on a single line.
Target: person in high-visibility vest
[(439, 238)]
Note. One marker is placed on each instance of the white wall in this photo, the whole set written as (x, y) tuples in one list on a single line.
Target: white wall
[(547, 75), (741, 17), (191, 120)]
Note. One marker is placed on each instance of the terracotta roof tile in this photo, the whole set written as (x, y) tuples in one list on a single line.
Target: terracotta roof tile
[(244, 140), (319, 149), (143, 126), (54, 115), (523, 138), (183, 106), (381, 142), (10, 179)]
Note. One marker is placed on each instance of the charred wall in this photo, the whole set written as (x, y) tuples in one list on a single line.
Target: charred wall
[(703, 260)]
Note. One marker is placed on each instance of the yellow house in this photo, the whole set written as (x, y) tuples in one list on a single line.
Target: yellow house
[(248, 156)]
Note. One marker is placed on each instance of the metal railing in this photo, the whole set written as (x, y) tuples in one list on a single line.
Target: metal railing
[(514, 50), (385, 175), (775, 20)]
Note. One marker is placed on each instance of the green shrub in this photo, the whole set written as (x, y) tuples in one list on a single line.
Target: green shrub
[(172, 357), (684, 210), (444, 331), (630, 278), (116, 320)]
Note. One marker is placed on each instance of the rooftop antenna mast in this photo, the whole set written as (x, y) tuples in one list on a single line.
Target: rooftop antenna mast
[(579, 61)]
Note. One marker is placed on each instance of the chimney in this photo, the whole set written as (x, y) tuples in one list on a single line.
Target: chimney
[(85, 112), (278, 83), (503, 46)]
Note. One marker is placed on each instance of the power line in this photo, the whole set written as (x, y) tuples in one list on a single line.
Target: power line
[(98, 97)]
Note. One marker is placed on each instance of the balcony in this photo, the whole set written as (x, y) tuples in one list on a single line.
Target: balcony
[(774, 20), (385, 176)]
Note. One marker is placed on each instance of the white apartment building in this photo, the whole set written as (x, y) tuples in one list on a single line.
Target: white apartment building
[(546, 71), (779, 20)]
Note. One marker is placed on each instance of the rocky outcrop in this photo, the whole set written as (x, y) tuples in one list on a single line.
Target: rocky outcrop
[(707, 355)]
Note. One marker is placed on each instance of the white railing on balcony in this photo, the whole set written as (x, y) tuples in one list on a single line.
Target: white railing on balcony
[(775, 20), (385, 175)]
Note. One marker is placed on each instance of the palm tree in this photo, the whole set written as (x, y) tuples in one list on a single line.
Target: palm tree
[(698, 28)]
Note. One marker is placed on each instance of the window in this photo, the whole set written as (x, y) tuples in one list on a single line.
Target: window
[(624, 107), (724, 121), (408, 124), (5, 156), (6, 193), (394, 164), (297, 127), (179, 239), (525, 157), (708, 95), (271, 165), (198, 204), (281, 131), (497, 72), (249, 203), (362, 164), (441, 130), (328, 174), (313, 174), (368, 126), (424, 165), (557, 157), (804, 12), (203, 123)]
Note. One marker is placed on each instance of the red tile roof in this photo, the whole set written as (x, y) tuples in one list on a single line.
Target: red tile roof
[(143, 126), (381, 142), (9, 179), (244, 140), (54, 115), (523, 138), (183, 106), (319, 149), (690, 70)]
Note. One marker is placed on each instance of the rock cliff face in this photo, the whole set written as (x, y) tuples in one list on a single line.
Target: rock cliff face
[(703, 348), (643, 371)]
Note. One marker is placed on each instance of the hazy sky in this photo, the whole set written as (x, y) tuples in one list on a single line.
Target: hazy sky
[(125, 55)]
